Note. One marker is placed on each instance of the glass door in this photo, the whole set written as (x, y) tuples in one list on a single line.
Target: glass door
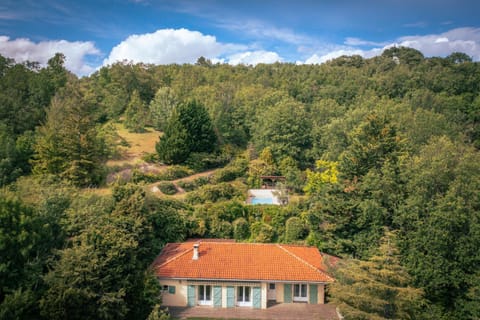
[(244, 298), (300, 292), (204, 295)]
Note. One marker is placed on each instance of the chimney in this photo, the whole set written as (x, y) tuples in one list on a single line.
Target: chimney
[(195, 251)]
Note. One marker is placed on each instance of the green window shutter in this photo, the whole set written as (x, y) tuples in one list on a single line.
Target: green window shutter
[(171, 289), (230, 297), (191, 296), (217, 296), (287, 293), (257, 297), (313, 292)]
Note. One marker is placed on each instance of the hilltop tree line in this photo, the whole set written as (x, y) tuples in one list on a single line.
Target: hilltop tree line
[(381, 156)]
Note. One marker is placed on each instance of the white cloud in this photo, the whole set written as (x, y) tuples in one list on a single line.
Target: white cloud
[(440, 40), (254, 57), (317, 59), (466, 40), (359, 42), (262, 31), (168, 46), (75, 52)]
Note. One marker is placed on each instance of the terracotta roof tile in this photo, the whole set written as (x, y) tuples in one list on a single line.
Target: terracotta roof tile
[(241, 261)]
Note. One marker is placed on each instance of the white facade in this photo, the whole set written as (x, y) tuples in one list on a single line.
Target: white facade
[(217, 294)]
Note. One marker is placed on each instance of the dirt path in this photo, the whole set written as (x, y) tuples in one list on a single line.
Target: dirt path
[(180, 190), (195, 176), (153, 187)]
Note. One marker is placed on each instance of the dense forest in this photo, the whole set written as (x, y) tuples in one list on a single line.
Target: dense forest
[(380, 158)]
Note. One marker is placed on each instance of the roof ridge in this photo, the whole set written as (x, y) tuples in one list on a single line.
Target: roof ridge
[(175, 257), (303, 261)]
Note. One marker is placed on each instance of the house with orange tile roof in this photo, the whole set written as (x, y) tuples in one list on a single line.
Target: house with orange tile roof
[(226, 274)]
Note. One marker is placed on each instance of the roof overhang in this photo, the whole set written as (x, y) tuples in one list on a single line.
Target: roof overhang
[(243, 281)]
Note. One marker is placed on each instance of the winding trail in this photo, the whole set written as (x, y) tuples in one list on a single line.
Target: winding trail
[(153, 187)]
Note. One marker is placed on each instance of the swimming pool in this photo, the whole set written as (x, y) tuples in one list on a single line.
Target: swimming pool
[(261, 200)]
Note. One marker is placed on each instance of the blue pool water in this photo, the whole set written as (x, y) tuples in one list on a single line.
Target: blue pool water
[(261, 201)]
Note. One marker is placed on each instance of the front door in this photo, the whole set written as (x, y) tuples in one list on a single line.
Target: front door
[(271, 292)]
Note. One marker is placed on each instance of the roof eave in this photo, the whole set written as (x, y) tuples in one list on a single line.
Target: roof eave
[(245, 280)]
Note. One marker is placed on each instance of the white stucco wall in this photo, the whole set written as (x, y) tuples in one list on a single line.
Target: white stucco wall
[(264, 288), (179, 298), (321, 293)]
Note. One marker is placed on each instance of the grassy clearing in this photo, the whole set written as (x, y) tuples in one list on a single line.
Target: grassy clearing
[(139, 144)]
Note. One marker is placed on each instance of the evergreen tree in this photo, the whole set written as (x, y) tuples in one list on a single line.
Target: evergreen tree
[(28, 238), (189, 129), (352, 208), (378, 288), (440, 225), (68, 144), (372, 143), (200, 134), (173, 146), (161, 108), (136, 114), (104, 273)]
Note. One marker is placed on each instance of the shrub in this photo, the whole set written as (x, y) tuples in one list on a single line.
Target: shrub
[(221, 229), (201, 161), (167, 188), (194, 184), (139, 176), (231, 172), (171, 173), (150, 158), (261, 232), (212, 193), (175, 172), (225, 175), (294, 229), (241, 229), (186, 185)]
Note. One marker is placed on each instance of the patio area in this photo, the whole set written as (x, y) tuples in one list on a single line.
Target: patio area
[(284, 311)]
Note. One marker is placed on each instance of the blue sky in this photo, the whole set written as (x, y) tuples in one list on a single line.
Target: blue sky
[(93, 33)]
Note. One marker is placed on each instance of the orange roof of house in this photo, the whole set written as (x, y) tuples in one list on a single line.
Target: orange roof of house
[(242, 261)]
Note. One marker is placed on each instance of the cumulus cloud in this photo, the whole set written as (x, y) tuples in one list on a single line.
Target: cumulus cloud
[(254, 57), (317, 59), (185, 46), (168, 46), (466, 40), (26, 50)]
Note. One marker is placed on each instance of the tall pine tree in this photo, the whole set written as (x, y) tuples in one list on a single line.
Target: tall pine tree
[(136, 113), (378, 288), (188, 130), (68, 144)]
